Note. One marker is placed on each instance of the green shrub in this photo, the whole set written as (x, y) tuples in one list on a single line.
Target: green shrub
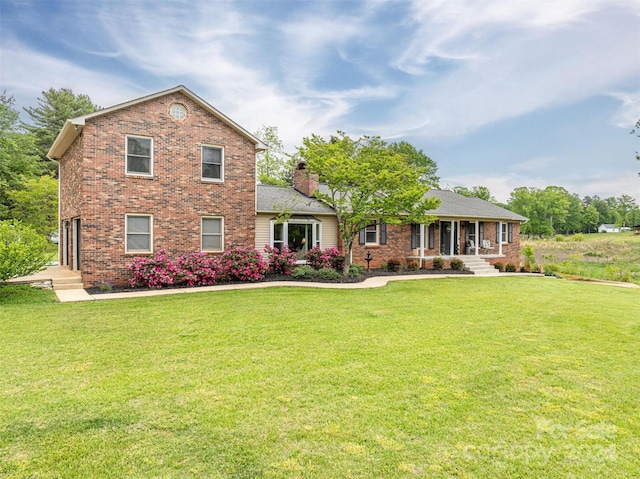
[(413, 265), (22, 250), (327, 274), (394, 264), (510, 268), (457, 264), (551, 268), (438, 263), (304, 271), (577, 237), (356, 270), (499, 265), (559, 238)]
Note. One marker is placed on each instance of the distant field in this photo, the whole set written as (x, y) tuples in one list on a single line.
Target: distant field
[(464, 377), (607, 256)]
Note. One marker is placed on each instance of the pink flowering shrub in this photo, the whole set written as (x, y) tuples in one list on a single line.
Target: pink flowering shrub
[(196, 269), (328, 258), (152, 272), (281, 261), (243, 264)]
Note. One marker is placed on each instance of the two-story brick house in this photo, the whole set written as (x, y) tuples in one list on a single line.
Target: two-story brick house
[(169, 171), (163, 171)]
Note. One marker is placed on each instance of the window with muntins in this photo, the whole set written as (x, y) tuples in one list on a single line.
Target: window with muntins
[(371, 234), (212, 163), (139, 156), (212, 234), (138, 233)]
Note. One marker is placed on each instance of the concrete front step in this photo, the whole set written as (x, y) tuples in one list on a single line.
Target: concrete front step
[(67, 283), (479, 266)]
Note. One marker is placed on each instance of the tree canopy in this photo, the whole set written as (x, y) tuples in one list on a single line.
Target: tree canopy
[(481, 192), (18, 158), (54, 108), (366, 181), (419, 159), (275, 167)]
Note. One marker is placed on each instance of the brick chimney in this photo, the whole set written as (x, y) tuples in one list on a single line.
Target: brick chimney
[(305, 182)]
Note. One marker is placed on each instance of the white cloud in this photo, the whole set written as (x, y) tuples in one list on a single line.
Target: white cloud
[(506, 59), (629, 112)]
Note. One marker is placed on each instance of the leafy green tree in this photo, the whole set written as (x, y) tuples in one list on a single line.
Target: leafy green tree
[(420, 160), (625, 204), (36, 204), (17, 153), (54, 108), (366, 181), (22, 250), (591, 218), (575, 215), (275, 167), (481, 192), (546, 209)]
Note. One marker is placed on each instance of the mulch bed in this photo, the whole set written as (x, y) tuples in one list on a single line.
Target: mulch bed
[(284, 277)]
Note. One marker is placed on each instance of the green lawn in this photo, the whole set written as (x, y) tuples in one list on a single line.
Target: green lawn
[(478, 378)]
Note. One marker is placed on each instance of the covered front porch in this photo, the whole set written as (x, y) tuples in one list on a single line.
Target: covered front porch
[(451, 237)]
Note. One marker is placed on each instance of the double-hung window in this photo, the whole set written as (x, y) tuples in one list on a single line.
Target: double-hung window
[(371, 234), (374, 234), (139, 232), (212, 234), (212, 163), (139, 156)]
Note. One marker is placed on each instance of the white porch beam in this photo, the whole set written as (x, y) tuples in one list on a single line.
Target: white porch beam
[(477, 235)]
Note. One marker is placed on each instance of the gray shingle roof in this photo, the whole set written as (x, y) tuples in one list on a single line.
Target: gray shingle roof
[(275, 199), (455, 205)]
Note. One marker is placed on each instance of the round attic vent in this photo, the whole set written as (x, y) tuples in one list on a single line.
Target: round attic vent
[(178, 111)]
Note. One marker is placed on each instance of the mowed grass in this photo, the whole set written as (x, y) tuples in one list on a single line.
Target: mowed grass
[(468, 377)]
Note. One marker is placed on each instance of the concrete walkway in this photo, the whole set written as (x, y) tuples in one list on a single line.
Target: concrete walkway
[(54, 273)]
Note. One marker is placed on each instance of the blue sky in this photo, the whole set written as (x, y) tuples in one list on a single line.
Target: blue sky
[(500, 93)]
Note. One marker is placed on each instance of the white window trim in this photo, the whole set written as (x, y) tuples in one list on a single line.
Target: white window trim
[(504, 233), (377, 241), (213, 180), (126, 157), (126, 233), (221, 218), (316, 231)]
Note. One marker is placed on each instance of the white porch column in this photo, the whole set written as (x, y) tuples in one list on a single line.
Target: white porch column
[(422, 232), (453, 238), (500, 236), (477, 246)]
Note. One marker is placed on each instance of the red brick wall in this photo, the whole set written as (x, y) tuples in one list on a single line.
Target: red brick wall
[(70, 175), (399, 246), (175, 195)]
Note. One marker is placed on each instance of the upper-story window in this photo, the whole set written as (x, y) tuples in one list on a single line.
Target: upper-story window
[(212, 163), (139, 155)]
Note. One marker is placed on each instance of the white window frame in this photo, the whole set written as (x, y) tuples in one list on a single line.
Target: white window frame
[(221, 234), (126, 156), (376, 230), (504, 232), (126, 233), (316, 231), (217, 147)]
